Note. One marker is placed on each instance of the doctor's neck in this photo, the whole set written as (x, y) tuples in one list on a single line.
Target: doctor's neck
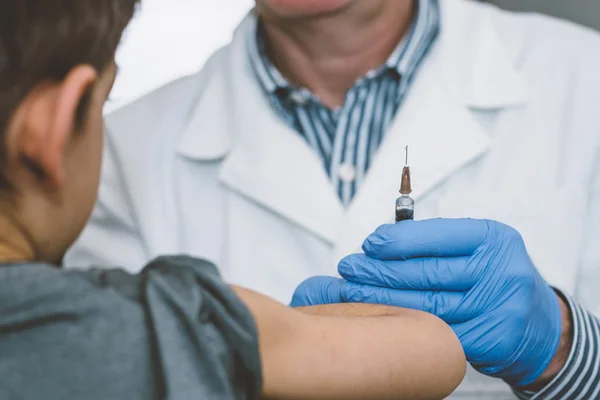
[(327, 52)]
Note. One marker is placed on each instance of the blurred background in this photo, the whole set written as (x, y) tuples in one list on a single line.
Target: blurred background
[(173, 38), (586, 12), (170, 39)]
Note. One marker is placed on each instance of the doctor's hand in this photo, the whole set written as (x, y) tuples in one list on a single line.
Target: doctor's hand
[(474, 274), (477, 276)]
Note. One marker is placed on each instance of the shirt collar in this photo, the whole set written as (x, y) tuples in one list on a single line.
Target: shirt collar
[(416, 42), (269, 77), (403, 60)]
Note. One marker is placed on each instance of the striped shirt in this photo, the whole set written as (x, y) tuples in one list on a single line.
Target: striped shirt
[(347, 139), (580, 377)]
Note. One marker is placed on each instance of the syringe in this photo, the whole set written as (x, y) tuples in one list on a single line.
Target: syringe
[(405, 205)]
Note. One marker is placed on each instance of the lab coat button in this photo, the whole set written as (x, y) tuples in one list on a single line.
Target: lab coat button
[(347, 172)]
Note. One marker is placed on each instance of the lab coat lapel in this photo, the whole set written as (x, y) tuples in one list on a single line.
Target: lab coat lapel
[(273, 166), (468, 70), (267, 161), (442, 137)]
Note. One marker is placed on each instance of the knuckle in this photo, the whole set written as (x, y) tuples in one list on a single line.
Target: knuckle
[(497, 230), (353, 294), (385, 297), (361, 294), (510, 233), (423, 274), (514, 236), (429, 269), (435, 303), (521, 280), (527, 283)]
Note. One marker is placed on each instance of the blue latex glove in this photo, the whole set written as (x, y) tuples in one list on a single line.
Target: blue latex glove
[(476, 275), (318, 290)]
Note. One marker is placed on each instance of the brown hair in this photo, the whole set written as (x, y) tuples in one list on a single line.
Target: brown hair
[(42, 40)]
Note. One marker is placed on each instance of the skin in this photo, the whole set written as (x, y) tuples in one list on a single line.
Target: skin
[(326, 45), (334, 352), (347, 351), (54, 167), (338, 351)]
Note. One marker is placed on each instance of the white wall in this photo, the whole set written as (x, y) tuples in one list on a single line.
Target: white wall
[(172, 38), (169, 39), (585, 12)]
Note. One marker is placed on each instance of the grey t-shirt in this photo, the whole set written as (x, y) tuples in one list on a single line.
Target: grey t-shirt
[(175, 331)]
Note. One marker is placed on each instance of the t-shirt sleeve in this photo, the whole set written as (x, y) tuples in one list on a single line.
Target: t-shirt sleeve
[(206, 341)]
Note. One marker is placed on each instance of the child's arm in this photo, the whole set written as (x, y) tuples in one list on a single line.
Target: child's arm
[(354, 351)]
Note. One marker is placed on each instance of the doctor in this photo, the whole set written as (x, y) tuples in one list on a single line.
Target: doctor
[(285, 152)]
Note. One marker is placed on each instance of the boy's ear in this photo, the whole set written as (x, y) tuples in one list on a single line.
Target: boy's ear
[(47, 120)]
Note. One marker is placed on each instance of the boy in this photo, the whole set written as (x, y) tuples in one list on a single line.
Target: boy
[(176, 330)]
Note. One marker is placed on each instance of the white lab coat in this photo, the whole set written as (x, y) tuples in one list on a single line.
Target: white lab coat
[(503, 122)]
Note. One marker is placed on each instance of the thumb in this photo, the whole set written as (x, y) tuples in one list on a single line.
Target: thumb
[(318, 290)]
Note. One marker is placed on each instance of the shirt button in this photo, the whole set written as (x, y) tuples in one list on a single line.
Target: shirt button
[(299, 97), (347, 172)]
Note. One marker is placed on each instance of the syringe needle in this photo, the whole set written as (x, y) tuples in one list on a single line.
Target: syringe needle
[(406, 148)]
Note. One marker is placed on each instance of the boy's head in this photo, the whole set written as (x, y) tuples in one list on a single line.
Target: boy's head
[(56, 71)]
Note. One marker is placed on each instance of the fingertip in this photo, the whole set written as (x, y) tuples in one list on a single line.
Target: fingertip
[(334, 286), (346, 265), (383, 232), (376, 239), (346, 293), (317, 290), (332, 292), (377, 244)]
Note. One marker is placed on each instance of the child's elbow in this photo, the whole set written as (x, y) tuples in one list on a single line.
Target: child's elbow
[(449, 365)]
